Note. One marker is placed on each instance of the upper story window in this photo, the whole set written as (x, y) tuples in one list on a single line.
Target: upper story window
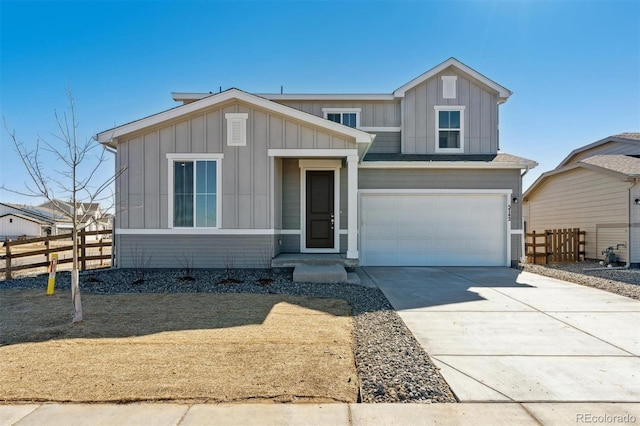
[(194, 190), (449, 129), (347, 116)]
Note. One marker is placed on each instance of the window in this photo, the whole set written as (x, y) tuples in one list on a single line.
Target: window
[(236, 128), (194, 189), (347, 116), (449, 129)]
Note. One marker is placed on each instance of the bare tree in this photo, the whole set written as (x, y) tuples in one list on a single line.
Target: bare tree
[(72, 179)]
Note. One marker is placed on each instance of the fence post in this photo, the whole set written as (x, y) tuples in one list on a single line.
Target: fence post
[(83, 249), (7, 263), (534, 246)]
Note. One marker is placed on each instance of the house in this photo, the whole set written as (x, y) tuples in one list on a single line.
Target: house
[(48, 219), (595, 188), (410, 177), (15, 225), (90, 215)]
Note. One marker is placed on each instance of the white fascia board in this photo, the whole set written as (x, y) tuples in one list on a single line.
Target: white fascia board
[(312, 152), (234, 94), (440, 165), (503, 92)]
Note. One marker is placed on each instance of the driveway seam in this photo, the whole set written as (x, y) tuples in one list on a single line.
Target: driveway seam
[(566, 323), (472, 378), (546, 313)]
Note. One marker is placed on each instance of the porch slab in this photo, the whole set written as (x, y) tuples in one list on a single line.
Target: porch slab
[(319, 274), (291, 260)]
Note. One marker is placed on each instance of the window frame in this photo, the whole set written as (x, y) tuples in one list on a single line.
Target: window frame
[(177, 157), (342, 111), (438, 109)]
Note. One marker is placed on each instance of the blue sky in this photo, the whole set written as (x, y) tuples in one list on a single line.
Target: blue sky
[(574, 66)]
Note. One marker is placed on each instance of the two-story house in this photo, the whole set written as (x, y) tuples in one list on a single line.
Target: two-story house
[(411, 177)]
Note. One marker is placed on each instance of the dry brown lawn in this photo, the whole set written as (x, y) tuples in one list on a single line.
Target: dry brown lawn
[(196, 347)]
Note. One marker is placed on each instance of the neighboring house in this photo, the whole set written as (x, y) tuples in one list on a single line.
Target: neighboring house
[(595, 189), (51, 219), (14, 225), (411, 177)]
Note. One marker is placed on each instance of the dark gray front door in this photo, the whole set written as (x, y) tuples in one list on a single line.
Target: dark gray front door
[(320, 209)]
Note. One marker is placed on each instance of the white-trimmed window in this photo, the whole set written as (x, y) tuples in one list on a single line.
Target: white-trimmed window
[(236, 128), (449, 129), (194, 190), (347, 116)]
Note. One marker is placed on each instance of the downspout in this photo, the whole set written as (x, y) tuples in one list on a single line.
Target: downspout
[(113, 227), (523, 238), (628, 265)]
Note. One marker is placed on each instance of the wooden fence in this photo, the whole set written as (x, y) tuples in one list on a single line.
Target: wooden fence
[(83, 247), (557, 246)]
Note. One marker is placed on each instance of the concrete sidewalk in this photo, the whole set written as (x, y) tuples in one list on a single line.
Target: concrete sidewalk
[(502, 335), (313, 414)]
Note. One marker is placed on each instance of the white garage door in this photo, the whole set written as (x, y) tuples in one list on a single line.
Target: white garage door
[(433, 229)]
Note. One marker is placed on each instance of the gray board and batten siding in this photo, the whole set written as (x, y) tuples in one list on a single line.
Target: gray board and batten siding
[(246, 171), (480, 115), (372, 113)]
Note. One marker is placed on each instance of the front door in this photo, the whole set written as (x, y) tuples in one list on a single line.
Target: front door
[(320, 209)]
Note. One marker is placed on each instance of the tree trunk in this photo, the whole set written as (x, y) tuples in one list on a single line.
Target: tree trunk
[(75, 281)]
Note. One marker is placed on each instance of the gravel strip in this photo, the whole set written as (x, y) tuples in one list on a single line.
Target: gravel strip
[(391, 364), (625, 282)]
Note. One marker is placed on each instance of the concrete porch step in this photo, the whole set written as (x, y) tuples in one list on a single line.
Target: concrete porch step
[(291, 260), (320, 274)]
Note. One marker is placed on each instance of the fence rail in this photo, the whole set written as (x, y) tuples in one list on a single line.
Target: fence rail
[(12, 251), (558, 246)]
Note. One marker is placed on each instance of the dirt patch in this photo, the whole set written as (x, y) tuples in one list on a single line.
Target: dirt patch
[(176, 347)]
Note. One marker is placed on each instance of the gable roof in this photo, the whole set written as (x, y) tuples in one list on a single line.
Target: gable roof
[(623, 164), (24, 217), (503, 93), (620, 166), (628, 138), (106, 137)]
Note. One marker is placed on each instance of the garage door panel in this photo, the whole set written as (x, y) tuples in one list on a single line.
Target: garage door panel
[(433, 229)]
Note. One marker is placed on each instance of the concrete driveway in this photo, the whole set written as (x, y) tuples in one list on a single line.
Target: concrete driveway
[(499, 334)]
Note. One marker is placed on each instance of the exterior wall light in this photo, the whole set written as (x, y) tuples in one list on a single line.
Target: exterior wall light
[(515, 200)]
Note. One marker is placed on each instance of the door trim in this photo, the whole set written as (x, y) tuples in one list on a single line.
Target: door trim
[(326, 165)]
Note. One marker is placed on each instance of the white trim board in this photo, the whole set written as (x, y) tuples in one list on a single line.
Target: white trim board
[(435, 191), (302, 153), (210, 231)]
